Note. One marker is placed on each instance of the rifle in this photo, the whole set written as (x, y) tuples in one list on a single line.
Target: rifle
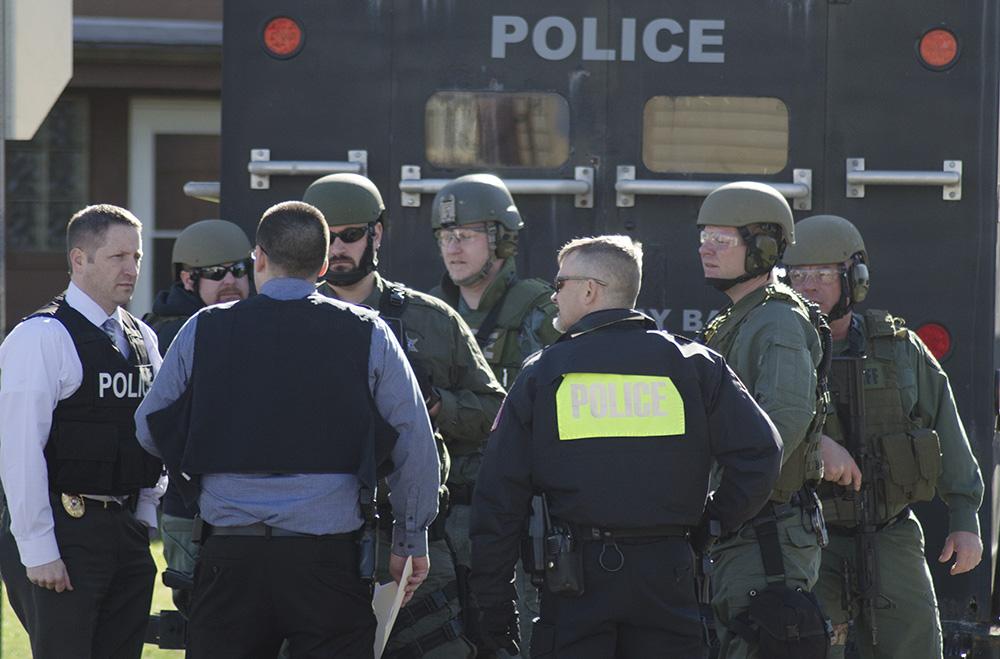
[(862, 584)]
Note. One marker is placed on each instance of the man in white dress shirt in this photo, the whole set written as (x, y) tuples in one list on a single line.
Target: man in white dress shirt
[(80, 492)]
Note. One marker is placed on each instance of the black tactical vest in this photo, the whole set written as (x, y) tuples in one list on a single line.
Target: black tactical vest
[(92, 447), (601, 398), (281, 386)]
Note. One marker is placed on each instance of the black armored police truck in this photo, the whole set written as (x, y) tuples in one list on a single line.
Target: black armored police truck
[(620, 116)]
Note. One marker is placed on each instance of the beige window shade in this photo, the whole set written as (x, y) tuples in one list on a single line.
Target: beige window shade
[(715, 135), (496, 129)]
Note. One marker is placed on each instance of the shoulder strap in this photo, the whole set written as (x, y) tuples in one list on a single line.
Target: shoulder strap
[(880, 323), (490, 322), (391, 305), (393, 301), (770, 547)]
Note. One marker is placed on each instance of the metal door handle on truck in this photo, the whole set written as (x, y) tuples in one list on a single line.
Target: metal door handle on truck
[(949, 178), (627, 187), (581, 187), (262, 168)]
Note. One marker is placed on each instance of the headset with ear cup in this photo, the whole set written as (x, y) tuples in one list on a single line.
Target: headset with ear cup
[(856, 282), (506, 243), (763, 249)]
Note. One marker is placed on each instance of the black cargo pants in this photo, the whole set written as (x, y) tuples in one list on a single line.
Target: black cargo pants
[(647, 608), (106, 553)]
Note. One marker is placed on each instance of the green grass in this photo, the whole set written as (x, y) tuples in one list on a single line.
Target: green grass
[(15, 640)]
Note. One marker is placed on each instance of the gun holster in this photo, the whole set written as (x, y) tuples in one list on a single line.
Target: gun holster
[(368, 536)]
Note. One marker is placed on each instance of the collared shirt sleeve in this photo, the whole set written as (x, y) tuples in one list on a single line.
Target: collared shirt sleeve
[(169, 384), (38, 367), (149, 497), (960, 485), (415, 479)]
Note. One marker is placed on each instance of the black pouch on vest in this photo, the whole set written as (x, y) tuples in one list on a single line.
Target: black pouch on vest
[(789, 623), (563, 564)]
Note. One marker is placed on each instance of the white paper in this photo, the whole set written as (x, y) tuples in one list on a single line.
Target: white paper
[(387, 600)]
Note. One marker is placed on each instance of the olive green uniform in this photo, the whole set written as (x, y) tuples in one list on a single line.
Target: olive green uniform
[(441, 344), (769, 341), (906, 392), (523, 327)]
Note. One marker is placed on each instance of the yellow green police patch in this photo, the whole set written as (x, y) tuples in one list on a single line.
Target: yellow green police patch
[(618, 405)]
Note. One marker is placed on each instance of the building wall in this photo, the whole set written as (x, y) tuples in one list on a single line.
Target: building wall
[(77, 160)]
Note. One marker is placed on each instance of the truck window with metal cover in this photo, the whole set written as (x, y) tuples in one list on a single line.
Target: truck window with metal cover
[(496, 129), (715, 135)]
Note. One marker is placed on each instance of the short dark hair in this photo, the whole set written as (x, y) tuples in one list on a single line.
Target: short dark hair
[(295, 237), (616, 258), (87, 228)]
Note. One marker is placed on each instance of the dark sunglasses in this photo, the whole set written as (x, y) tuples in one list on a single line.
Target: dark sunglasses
[(239, 269), (352, 234), (559, 282)]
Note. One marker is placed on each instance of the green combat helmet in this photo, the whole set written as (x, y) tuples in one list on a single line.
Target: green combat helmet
[(479, 198), (349, 199), (763, 218), (833, 240), (209, 242)]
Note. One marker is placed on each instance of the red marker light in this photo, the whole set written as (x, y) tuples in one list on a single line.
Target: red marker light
[(937, 338), (282, 37), (938, 49)]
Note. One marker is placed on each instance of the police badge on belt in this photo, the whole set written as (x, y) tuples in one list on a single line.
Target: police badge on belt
[(73, 505)]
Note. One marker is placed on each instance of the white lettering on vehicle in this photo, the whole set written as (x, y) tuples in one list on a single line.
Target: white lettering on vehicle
[(691, 320), (555, 38)]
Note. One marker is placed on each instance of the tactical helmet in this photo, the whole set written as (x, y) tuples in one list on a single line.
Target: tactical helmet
[(824, 239), (475, 198), (830, 239), (210, 242), (763, 218), (349, 199), (744, 203), (345, 199)]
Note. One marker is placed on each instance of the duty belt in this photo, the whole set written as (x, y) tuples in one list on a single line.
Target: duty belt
[(662, 531), (851, 531), (803, 502), (261, 530)]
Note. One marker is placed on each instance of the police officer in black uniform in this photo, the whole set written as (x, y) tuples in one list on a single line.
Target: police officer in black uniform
[(615, 427)]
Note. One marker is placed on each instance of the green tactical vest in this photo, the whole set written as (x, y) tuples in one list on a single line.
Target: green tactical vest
[(502, 349), (908, 454), (805, 465)]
